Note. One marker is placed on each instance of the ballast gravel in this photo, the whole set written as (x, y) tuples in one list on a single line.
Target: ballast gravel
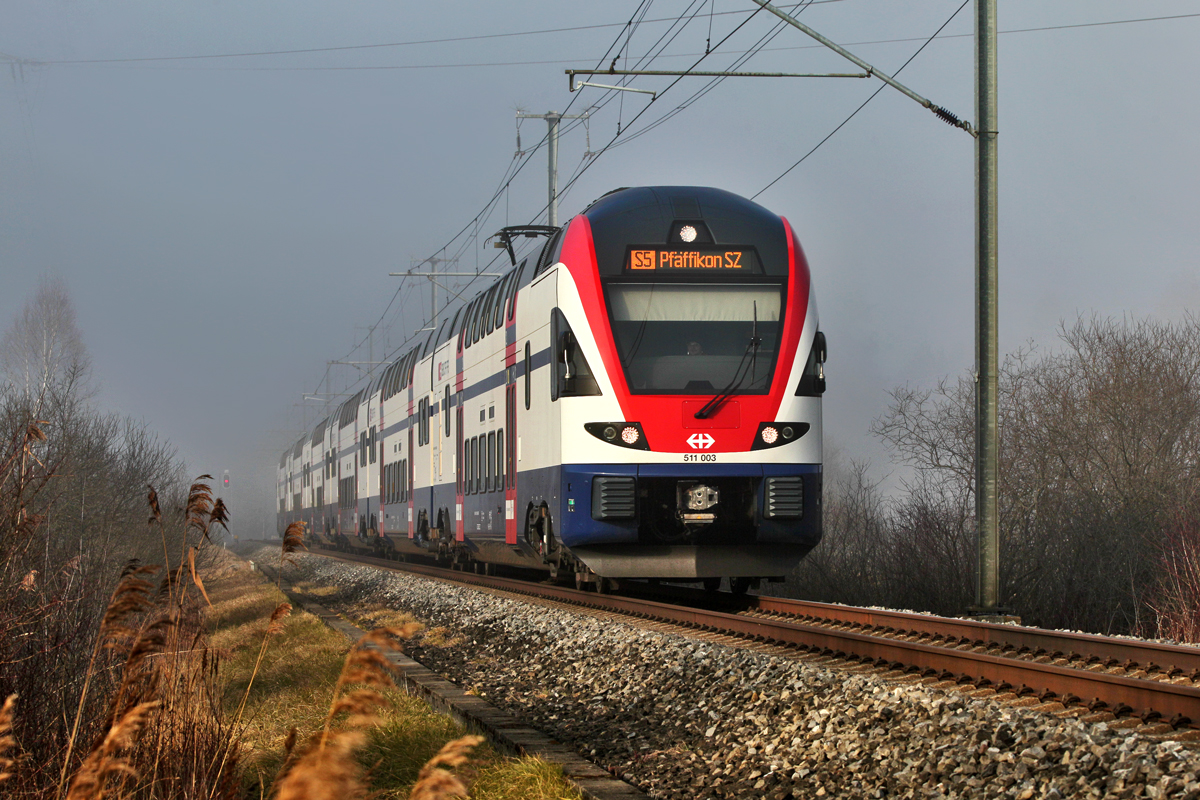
[(686, 718)]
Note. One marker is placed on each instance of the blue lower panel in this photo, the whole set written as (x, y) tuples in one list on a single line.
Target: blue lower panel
[(577, 528)]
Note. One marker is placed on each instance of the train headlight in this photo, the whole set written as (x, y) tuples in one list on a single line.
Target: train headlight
[(774, 434), (622, 434), (687, 233)]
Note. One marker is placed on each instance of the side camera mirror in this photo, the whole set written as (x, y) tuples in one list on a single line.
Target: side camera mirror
[(567, 351)]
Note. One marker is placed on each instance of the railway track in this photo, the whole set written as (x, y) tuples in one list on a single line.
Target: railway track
[(1139, 683)]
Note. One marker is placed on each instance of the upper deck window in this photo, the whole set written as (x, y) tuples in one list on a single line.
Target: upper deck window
[(691, 338)]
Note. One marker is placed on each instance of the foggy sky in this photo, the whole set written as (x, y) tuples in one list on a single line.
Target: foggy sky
[(226, 226)]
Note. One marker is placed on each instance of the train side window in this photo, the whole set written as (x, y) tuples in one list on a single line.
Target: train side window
[(462, 326), (498, 306), (446, 410), (528, 370), (493, 480), (423, 423), (489, 462), (489, 323), (470, 473), (443, 326), (549, 254), (812, 380), (500, 456), (468, 319), (471, 453), (473, 323), (512, 290), (477, 452), (453, 326), (479, 332)]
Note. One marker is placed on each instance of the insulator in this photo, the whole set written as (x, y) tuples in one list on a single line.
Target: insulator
[(947, 117)]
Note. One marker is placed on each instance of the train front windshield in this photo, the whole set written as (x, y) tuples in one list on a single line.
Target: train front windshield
[(695, 338)]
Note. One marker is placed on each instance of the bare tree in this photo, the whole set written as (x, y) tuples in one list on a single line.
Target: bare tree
[(1099, 450), (42, 356), (73, 484)]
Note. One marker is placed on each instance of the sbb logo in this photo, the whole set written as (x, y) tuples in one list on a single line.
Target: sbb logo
[(700, 441)]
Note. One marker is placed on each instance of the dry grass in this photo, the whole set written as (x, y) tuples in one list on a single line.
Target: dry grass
[(292, 693), (440, 637), (379, 615), (211, 695)]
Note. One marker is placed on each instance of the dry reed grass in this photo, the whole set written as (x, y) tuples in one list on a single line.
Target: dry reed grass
[(7, 742), (107, 760), (328, 766), (166, 701), (293, 542), (435, 781)]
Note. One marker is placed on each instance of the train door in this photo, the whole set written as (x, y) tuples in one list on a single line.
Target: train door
[(510, 475), (460, 476), (537, 434), (412, 470)]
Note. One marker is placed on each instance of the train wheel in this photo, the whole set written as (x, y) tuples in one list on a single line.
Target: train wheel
[(712, 584), (740, 585)]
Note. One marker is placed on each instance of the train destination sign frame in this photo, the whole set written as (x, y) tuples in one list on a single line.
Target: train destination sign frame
[(707, 258)]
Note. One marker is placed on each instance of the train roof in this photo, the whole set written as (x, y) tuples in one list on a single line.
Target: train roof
[(652, 215)]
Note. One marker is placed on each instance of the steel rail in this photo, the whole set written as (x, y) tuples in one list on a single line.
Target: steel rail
[(1129, 652), (1121, 695)]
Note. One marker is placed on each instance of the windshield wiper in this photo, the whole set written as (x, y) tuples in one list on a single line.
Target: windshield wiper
[(739, 375)]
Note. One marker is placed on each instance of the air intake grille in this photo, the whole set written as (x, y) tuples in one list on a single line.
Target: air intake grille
[(785, 497), (614, 497)]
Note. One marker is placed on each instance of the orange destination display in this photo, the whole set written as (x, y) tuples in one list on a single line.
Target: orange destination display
[(707, 259)]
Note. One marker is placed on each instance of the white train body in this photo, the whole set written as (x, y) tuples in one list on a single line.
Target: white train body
[(639, 398)]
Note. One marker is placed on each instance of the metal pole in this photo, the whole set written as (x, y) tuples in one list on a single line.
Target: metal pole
[(553, 117), (986, 327)]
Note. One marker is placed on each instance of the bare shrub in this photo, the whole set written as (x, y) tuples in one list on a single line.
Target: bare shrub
[(1175, 601), (1098, 454), (848, 566)]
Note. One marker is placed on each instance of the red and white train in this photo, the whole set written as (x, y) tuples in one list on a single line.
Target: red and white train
[(640, 398)]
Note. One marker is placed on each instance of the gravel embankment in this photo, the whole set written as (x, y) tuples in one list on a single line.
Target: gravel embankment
[(683, 718)]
